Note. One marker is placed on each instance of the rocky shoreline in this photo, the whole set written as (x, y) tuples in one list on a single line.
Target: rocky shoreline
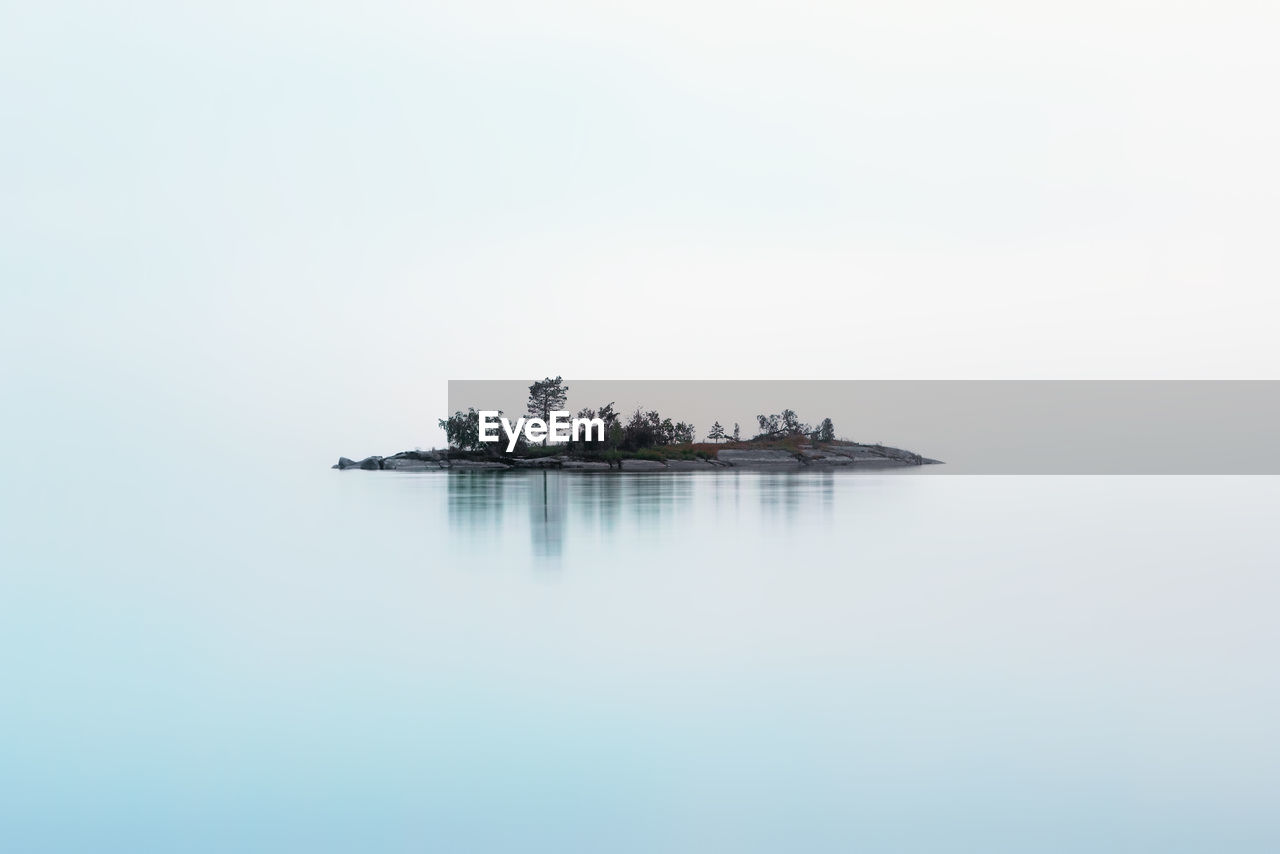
[(841, 455)]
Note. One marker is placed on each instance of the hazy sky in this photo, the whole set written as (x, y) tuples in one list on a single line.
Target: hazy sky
[(240, 224)]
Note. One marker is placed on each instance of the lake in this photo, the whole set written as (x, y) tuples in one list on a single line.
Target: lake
[(309, 660)]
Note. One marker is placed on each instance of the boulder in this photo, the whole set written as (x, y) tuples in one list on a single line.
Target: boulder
[(585, 465), (368, 463), (464, 465)]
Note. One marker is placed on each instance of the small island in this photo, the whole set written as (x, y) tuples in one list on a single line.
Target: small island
[(642, 441)]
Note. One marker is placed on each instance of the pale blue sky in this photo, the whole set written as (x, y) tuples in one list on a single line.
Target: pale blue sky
[(242, 223)]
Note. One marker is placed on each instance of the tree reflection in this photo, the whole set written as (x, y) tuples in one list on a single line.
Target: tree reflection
[(476, 502), (546, 513)]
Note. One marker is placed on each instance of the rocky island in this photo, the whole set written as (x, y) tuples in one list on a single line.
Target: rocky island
[(780, 456), (641, 441)]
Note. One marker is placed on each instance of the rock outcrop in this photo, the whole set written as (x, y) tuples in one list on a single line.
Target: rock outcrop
[(691, 465), (410, 464), (760, 458), (643, 465)]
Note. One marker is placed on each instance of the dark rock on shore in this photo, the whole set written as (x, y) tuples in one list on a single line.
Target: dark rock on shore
[(538, 462), (368, 463)]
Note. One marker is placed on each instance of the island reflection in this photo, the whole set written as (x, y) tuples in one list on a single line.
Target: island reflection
[(594, 505)]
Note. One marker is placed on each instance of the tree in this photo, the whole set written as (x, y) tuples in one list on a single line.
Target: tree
[(607, 414), (588, 439), (683, 434), (717, 432), (462, 430), (611, 428), (737, 434), (547, 395), (667, 432), (792, 425), (781, 426), (643, 430), (770, 425), (826, 431)]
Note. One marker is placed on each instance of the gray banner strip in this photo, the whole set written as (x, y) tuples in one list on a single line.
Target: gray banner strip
[(974, 426)]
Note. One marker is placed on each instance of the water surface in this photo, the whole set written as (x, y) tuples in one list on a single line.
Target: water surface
[(312, 660)]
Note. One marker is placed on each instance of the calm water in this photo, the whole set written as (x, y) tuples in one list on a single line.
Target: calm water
[(262, 660)]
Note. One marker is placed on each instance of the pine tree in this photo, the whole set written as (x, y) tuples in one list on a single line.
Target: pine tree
[(717, 432), (545, 396)]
